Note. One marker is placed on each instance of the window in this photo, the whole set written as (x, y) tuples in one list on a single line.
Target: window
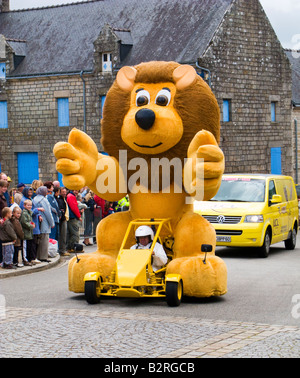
[(273, 111), (3, 115), (106, 62), (226, 110), (63, 112), (28, 167), (102, 98), (272, 189), (2, 70)]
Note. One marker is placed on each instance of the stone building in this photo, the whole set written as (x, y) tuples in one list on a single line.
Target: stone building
[(294, 57), (57, 63)]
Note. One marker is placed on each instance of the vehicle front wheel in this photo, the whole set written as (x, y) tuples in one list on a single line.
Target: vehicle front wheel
[(265, 248), (290, 243), (174, 291), (92, 291)]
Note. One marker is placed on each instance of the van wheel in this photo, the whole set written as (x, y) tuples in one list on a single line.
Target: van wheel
[(265, 248), (290, 243)]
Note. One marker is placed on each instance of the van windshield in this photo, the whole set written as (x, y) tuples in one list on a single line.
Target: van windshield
[(235, 189)]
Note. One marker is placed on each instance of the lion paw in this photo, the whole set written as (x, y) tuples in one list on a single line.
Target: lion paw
[(201, 279)]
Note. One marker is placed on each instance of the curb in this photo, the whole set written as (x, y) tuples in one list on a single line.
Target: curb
[(4, 273)]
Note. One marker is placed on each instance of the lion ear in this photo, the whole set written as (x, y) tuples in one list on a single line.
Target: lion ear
[(125, 78), (184, 76)]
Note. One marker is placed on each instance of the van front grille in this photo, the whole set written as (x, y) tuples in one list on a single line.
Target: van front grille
[(222, 219), (229, 232)]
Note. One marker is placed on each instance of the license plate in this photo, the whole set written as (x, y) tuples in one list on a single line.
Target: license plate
[(224, 239)]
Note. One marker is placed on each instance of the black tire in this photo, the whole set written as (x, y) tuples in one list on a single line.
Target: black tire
[(174, 292), (92, 291), (290, 243), (264, 250)]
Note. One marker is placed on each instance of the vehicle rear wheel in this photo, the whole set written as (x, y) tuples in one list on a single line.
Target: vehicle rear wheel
[(265, 248), (290, 243), (174, 291), (92, 291)]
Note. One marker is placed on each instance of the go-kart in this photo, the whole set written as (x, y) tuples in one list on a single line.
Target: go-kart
[(133, 275)]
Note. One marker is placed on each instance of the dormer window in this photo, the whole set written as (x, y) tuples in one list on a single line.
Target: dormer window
[(106, 62)]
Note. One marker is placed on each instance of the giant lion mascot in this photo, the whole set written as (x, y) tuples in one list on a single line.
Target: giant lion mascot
[(153, 111)]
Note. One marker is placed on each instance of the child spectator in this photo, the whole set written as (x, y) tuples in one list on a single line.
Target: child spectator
[(3, 189), (15, 220), (28, 226), (8, 238)]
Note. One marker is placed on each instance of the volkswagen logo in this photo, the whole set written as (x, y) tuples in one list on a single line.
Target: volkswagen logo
[(221, 219)]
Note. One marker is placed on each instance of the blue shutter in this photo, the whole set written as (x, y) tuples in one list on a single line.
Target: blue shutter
[(63, 111), (3, 115), (2, 70), (28, 167), (59, 177), (226, 110), (276, 161)]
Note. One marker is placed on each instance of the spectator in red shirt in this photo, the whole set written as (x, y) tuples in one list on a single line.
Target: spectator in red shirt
[(73, 222)]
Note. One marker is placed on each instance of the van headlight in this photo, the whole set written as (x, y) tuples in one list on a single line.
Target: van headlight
[(254, 218)]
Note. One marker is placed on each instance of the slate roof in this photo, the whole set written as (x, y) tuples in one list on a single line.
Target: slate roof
[(60, 38), (294, 58)]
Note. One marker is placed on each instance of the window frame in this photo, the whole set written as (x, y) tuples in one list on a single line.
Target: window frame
[(273, 111), (63, 111), (227, 110)]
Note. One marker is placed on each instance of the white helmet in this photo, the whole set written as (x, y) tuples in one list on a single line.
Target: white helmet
[(144, 231)]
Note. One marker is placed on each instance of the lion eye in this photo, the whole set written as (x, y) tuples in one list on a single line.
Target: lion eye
[(163, 97), (142, 98)]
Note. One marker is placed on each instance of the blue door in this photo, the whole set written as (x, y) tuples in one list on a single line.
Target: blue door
[(28, 167), (276, 161)]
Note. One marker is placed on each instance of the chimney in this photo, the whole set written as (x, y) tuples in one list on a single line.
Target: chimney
[(4, 6)]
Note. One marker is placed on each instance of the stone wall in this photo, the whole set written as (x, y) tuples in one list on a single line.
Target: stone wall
[(296, 154), (250, 68)]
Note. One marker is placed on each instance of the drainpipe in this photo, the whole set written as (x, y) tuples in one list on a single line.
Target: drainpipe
[(296, 148), (84, 101), (206, 70)]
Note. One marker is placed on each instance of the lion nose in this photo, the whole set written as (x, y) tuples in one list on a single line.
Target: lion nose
[(145, 118)]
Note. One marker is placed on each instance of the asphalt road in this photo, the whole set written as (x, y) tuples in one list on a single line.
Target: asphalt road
[(259, 290)]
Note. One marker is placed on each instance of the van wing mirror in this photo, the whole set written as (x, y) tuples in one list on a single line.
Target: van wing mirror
[(276, 199)]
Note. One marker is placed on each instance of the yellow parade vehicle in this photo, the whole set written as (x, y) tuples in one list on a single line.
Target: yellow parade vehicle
[(133, 275)]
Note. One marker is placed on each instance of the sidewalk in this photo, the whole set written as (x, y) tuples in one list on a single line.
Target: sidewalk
[(4, 273)]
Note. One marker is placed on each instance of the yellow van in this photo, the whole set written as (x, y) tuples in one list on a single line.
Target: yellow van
[(253, 211)]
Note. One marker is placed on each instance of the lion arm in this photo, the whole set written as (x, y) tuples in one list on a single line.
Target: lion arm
[(110, 183)]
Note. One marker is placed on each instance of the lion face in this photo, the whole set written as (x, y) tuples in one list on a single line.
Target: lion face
[(152, 125), (155, 109)]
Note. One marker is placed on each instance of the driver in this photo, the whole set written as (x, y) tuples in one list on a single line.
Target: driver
[(144, 237)]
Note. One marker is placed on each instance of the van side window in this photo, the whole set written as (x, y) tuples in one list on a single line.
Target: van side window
[(272, 189)]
